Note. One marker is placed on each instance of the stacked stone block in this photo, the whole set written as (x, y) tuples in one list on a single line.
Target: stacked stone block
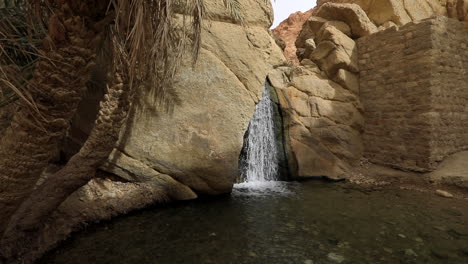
[(414, 90)]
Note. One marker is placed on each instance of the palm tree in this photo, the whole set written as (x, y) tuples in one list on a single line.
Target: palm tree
[(48, 51), (142, 47)]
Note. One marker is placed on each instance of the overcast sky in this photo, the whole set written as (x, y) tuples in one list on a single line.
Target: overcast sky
[(283, 8)]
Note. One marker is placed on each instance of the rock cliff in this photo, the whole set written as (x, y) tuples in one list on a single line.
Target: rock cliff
[(363, 17), (288, 30), (380, 82), (322, 122), (200, 141)]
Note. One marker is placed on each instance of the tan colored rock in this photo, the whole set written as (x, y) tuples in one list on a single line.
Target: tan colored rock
[(315, 161), (443, 193), (309, 47), (341, 26), (309, 30), (322, 123), (310, 44), (421, 9), (452, 170), (344, 142), (397, 11), (279, 42), (316, 85), (289, 30), (386, 10), (387, 25), (352, 14), (342, 113), (418, 9), (255, 12), (313, 25), (279, 77), (348, 80), (335, 51), (462, 10), (199, 142)]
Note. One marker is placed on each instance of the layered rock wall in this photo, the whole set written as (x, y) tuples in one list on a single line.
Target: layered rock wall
[(414, 90)]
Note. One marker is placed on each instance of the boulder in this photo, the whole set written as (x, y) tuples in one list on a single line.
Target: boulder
[(335, 51), (397, 11), (254, 12), (453, 170), (309, 30), (309, 47), (288, 31), (352, 14), (198, 143), (313, 26), (322, 123), (341, 26), (387, 25), (348, 80)]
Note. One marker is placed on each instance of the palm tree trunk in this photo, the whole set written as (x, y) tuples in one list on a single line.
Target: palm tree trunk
[(28, 219), (57, 86)]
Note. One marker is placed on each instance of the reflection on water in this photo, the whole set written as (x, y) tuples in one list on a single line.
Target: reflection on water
[(311, 222)]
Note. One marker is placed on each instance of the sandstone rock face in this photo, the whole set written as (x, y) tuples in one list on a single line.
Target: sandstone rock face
[(313, 25), (363, 17), (453, 170), (397, 11), (254, 12), (348, 80), (322, 122), (335, 51), (288, 31), (199, 143), (309, 30), (406, 67), (352, 14)]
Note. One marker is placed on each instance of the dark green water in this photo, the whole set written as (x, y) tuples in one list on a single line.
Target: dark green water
[(312, 223)]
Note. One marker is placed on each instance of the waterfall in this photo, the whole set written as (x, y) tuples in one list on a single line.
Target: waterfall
[(260, 161)]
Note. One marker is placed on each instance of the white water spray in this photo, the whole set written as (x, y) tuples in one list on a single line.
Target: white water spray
[(261, 159), (260, 165)]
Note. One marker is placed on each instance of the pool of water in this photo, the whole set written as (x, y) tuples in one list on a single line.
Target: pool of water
[(309, 222)]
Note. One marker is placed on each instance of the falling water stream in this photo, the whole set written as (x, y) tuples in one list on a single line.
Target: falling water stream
[(261, 160), (259, 164)]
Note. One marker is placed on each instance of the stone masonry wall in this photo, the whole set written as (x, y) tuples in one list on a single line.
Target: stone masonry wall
[(449, 88), (414, 90)]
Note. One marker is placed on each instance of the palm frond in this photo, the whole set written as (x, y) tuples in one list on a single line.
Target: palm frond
[(234, 9), (152, 43), (19, 42)]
